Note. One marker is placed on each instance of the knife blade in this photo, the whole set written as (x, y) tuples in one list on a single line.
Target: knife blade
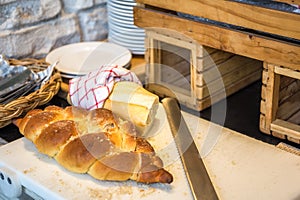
[(20, 77), (197, 175)]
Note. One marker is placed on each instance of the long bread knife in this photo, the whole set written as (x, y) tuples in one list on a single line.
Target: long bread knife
[(198, 178)]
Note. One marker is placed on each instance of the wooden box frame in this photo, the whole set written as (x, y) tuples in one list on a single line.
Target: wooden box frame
[(214, 74), (280, 102)]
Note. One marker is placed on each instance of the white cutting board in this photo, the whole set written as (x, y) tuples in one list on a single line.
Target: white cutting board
[(240, 167), (49, 180), (243, 168)]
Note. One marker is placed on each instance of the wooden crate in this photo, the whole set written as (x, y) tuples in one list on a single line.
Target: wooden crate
[(268, 35), (197, 74), (280, 102)]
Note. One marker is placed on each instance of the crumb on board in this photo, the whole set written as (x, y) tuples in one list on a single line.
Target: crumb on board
[(29, 170)]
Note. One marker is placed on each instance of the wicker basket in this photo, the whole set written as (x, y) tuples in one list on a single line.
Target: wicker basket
[(39, 97)]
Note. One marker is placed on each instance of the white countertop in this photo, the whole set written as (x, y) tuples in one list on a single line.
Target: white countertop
[(240, 168)]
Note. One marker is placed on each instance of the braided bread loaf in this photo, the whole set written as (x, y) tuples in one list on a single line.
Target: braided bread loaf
[(96, 142)]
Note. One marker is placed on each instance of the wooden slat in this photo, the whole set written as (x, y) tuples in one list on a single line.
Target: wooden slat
[(149, 57), (286, 128), (285, 81), (263, 109), (263, 92), (220, 38), (264, 76), (279, 135), (229, 90), (290, 1), (288, 91), (214, 58), (265, 65), (250, 16), (262, 125), (226, 80), (200, 51), (235, 63), (172, 37), (289, 107), (170, 75), (295, 140), (272, 95), (295, 119), (287, 72)]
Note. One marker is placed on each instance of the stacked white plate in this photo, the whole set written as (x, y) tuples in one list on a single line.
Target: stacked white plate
[(78, 59), (121, 28)]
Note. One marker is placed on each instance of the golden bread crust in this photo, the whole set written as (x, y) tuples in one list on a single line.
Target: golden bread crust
[(80, 153), (54, 136), (96, 142), (118, 167), (21, 123), (143, 145), (37, 122)]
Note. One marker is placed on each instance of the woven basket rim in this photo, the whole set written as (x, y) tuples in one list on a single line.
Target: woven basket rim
[(20, 106)]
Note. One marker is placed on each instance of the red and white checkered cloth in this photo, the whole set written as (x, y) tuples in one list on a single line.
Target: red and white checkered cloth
[(91, 91)]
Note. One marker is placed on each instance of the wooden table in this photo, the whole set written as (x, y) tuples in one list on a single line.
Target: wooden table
[(163, 14)]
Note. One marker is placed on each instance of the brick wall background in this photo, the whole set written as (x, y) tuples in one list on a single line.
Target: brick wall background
[(32, 28)]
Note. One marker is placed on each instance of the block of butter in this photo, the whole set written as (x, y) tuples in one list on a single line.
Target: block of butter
[(134, 103)]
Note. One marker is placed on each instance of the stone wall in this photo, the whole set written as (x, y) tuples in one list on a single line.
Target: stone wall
[(32, 28)]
